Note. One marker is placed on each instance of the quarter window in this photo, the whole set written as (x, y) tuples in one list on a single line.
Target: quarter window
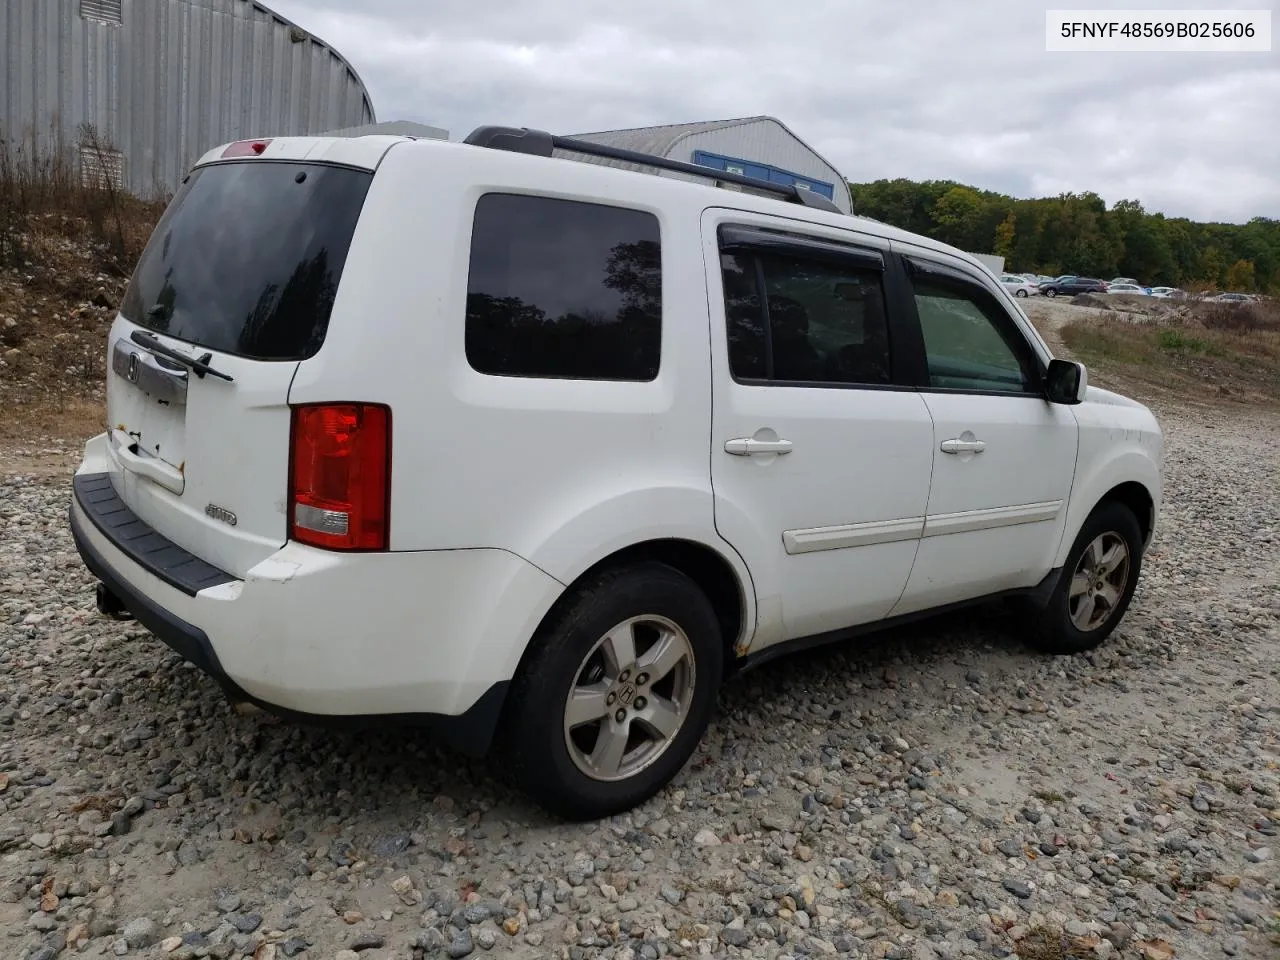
[(817, 322), (969, 341), (564, 289)]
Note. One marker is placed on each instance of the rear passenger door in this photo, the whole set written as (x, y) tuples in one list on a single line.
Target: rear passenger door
[(820, 454)]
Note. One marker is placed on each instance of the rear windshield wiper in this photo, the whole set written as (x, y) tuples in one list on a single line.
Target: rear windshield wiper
[(200, 366)]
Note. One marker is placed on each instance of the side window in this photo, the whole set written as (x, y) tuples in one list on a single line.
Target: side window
[(969, 341), (818, 321), (564, 289)]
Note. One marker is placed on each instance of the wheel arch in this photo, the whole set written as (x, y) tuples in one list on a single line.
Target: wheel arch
[(1135, 495), (710, 569), (1139, 500)]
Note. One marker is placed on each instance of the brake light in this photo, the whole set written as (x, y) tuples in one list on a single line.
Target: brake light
[(245, 148), (340, 476)]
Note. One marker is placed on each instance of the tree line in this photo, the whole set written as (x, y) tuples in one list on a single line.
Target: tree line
[(1075, 233)]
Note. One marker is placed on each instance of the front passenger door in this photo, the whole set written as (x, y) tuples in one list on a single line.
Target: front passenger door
[(1003, 456)]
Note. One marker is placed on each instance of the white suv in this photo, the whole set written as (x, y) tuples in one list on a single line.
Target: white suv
[(537, 450)]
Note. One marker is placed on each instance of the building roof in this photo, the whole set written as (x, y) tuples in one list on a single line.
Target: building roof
[(300, 33), (659, 141)]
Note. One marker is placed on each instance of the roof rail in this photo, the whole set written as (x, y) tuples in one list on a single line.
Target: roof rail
[(542, 144)]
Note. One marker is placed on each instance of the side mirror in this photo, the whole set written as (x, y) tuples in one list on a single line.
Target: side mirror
[(1066, 381)]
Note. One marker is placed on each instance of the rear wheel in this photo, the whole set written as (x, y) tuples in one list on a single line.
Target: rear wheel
[(617, 693), (1096, 586), (1051, 292), (1020, 293)]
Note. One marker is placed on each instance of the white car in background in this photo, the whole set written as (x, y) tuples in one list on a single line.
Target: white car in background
[(1167, 293), (1130, 288), (1018, 286)]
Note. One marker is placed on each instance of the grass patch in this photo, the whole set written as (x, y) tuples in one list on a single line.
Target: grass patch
[(1048, 796), (1208, 352), (1179, 342)]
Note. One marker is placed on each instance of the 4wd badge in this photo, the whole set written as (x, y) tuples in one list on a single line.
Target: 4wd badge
[(220, 513)]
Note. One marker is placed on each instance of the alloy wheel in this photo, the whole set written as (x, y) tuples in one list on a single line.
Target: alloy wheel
[(1098, 583), (630, 698)]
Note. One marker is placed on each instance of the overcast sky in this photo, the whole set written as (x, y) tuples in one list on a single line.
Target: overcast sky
[(928, 89)]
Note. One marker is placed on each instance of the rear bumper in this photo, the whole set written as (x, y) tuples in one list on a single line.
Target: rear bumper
[(427, 638)]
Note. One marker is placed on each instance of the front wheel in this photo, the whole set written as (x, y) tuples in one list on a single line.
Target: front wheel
[(1096, 586), (617, 693)]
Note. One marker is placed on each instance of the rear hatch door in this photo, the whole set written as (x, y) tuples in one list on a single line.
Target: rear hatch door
[(234, 289)]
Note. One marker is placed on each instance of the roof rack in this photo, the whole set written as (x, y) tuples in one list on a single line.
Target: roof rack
[(542, 144)]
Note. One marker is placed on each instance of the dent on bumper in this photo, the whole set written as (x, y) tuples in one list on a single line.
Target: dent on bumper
[(429, 638)]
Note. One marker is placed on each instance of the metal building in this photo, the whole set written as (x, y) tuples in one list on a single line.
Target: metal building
[(760, 147), (163, 81)]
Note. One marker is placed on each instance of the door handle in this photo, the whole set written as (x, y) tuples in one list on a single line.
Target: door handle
[(747, 446), (963, 446)]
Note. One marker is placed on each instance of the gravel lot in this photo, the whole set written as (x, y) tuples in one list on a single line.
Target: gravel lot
[(939, 792)]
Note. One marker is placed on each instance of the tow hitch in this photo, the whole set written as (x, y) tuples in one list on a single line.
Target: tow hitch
[(109, 605)]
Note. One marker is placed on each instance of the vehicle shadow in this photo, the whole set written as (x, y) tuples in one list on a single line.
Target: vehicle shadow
[(401, 775)]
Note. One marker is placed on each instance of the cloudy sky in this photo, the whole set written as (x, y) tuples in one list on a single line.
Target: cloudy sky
[(926, 89)]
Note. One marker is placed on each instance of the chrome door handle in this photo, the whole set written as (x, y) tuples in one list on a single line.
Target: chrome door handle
[(963, 446), (747, 446)]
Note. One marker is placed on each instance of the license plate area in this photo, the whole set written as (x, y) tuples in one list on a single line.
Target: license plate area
[(148, 407)]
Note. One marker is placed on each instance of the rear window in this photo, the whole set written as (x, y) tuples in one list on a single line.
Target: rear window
[(246, 259)]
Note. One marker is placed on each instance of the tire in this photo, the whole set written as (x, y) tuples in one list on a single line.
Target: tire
[(1020, 293), (573, 650), (1051, 292), (1054, 629)]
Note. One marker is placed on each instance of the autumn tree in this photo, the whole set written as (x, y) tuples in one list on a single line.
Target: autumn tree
[(1004, 236), (1240, 275)]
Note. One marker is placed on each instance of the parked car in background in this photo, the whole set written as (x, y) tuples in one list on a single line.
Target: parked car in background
[(1019, 286), (1130, 288), (1231, 298), (1124, 280), (1069, 285), (1168, 293)]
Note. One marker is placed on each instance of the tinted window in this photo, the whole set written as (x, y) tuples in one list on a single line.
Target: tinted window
[(969, 341), (560, 288), (247, 258), (744, 320), (820, 322)]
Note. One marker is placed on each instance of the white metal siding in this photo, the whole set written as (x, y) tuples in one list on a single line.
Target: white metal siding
[(761, 139), (173, 79), (765, 142)]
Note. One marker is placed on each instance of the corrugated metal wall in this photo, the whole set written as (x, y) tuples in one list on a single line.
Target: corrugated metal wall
[(172, 80)]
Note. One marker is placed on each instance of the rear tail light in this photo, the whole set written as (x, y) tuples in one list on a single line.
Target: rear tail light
[(340, 476)]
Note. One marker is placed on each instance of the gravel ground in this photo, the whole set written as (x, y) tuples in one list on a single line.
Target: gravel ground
[(938, 792)]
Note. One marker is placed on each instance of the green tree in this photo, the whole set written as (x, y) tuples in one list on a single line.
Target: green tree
[(1077, 233), (957, 214), (1211, 266)]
